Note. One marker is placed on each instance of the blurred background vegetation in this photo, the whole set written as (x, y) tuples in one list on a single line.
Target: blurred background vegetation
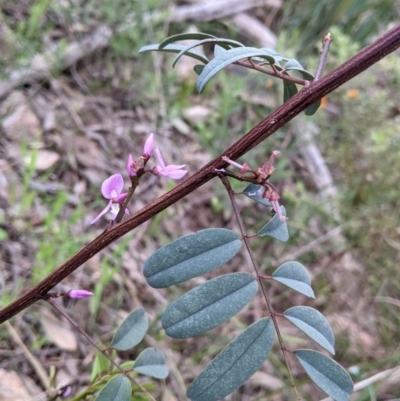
[(65, 131)]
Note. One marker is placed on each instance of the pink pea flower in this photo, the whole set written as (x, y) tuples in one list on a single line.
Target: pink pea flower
[(131, 167), (111, 189), (78, 294), (148, 147), (172, 170)]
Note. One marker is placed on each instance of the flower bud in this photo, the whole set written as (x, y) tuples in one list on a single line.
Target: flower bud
[(78, 294)]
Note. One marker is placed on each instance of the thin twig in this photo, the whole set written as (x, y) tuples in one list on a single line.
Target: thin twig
[(78, 328), (326, 42), (386, 44), (271, 311)]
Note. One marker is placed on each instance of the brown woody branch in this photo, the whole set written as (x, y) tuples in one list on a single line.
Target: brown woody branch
[(304, 98)]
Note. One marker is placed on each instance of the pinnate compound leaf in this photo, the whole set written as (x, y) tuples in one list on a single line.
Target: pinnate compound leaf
[(190, 256), (225, 58), (131, 331), (294, 275), (151, 362), (208, 305), (174, 48), (119, 388), (185, 36), (255, 192), (276, 228), (326, 374), (235, 364), (224, 43), (314, 324)]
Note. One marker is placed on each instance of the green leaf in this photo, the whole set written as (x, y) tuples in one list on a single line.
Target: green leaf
[(276, 228), (224, 43), (310, 110), (119, 388), (190, 256), (198, 69), (294, 275), (289, 90), (174, 48), (100, 365), (131, 331), (151, 362), (218, 50), (294, 65), (224, 59), (278, 57), (185, 36), (326, 374), (208, 305), (235, 364), (314, 324), (255, 192)]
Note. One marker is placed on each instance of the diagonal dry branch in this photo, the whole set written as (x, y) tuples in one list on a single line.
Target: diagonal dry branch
[(304, 98)]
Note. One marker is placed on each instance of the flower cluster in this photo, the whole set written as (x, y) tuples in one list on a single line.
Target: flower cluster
[(112, 187), (262, 175)]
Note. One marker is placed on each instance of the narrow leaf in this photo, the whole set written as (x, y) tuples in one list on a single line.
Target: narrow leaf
[(278, 57), (235, 364), (151, 362), (198, 69), (230, 56), (314, 324), (208, 305), (310, 110), (224, 43), (326, 374), (255, 192), (119, 388), (174, 48), (276, 228), (294, 275), (185, 36), (289, 90), (131, 331), (190, 256), (294, 65), (218, 50)]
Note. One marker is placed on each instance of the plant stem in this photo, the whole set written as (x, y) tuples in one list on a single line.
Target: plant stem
[(78, 328), (228, 187), (326, 42), (386, 44), (275, 73)]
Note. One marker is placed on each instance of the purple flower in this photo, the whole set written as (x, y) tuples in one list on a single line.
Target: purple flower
[(131, 167), (172, 170), (111, 189), (78, 294), (148, 147)]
